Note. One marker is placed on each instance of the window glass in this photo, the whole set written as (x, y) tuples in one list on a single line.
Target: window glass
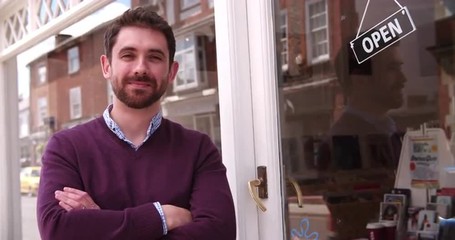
[(186, 56), (75, 103), (73, 60), (65, 99), (318, 30), (42, 71), (354, 130), (42, 110)]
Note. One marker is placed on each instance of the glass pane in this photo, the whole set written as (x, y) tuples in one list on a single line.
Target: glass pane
[(343, 122), (46, 108)]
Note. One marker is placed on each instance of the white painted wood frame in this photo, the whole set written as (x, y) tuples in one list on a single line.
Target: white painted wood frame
[(249, 116)]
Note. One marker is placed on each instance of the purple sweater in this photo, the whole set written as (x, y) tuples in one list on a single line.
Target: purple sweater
[(174, 166)]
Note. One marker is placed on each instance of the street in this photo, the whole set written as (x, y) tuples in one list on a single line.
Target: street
[(29, 223)]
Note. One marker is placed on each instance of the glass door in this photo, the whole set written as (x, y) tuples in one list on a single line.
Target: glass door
[(335, 86)]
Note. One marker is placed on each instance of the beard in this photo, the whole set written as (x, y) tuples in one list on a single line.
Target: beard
[(139, 98)]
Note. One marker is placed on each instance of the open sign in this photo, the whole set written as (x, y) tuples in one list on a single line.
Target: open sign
[(384, 34)]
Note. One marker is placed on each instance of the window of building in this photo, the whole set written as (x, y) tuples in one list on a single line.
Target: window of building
[(317, 25), (75, 103), (190, 55), (110, 94), (41, 110), (284, 39), (42, 74), (189, 8), (24, 128), (208, 124), (210, 2), (73, 60)]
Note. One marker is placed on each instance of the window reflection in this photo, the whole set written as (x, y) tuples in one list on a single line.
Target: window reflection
[(67, 87), (342, 123)]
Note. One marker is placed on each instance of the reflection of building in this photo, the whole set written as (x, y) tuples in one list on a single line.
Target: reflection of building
[(193, 99), (67, 86), (444, 52), (311, 34)]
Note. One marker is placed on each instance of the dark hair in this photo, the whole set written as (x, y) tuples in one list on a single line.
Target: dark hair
[(143, 17)]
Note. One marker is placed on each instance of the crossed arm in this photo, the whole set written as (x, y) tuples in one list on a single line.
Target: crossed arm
[(73, 199), (67, 211)]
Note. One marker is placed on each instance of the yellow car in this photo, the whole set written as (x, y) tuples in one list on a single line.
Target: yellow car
[(30, 180)]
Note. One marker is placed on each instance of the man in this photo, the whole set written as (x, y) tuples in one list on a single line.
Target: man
[(132, 174), (365, 136), (361, 153)]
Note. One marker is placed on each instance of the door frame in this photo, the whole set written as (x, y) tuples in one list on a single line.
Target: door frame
[(250, 137)]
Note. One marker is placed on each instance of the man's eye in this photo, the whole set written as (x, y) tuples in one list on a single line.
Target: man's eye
[(155, 58), (127, 56)]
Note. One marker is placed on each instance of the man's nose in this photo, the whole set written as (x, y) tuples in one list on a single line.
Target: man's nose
[(140, 67)]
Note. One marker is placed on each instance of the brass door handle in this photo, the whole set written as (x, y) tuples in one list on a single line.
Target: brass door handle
[(298, 191), (253, 185)]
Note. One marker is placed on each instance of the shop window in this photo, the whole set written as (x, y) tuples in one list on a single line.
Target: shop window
[(75, 103), (41, 110), (42, 74), (73, 60), (284, 40), (317, 25), (189, 8), (190, 56)]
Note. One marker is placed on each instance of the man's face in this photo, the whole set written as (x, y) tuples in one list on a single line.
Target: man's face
[(388, 79), (139, 70)]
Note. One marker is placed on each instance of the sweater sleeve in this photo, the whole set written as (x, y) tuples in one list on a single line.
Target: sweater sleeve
[(212, 206), (58, 171)]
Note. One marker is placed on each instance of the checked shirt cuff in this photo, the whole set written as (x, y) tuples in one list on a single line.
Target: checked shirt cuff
[(163, 219)]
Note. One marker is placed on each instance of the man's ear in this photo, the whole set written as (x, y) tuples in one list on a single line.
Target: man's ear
[(173, 71), (105, 66)]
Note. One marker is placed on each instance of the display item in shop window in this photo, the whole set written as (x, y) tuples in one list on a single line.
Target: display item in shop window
[(424, 162), (391, 211), (413, 218), (428, 221), (304, 232)]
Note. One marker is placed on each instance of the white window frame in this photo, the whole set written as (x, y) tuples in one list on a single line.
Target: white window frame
[(184, 66), (75, 101), (73, 60), (311, 44), (284, 40), (42, 111), (42, 74)]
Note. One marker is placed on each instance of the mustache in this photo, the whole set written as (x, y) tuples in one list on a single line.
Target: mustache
[(142, 78)]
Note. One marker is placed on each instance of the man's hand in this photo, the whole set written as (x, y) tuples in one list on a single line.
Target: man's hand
[(71, 198), (176, 216)]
